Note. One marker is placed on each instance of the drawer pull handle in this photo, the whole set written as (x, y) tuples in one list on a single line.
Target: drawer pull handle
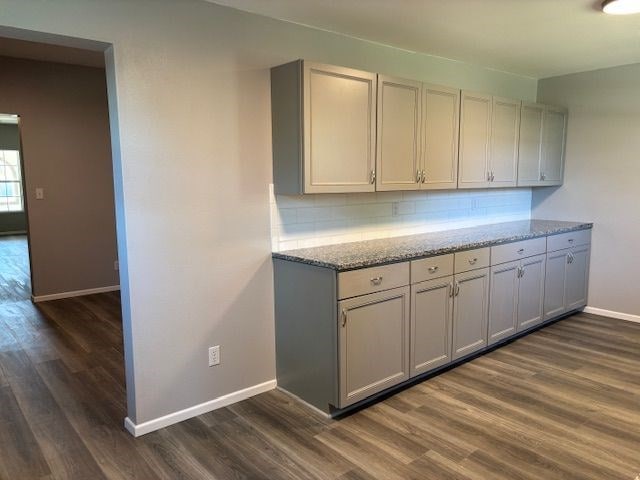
[(571, 240), (521, 251), (376, 280), (433, 269), (457, 289), (450, 290), (473, 261), (344, 317)]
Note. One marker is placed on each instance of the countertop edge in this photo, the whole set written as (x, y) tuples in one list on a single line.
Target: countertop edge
[(428, 253)]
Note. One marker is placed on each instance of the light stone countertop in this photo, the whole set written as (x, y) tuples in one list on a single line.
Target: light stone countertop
[(353, 255)]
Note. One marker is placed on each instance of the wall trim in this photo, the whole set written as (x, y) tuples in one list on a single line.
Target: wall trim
[(75, 293), (157, 423), (612, 314)]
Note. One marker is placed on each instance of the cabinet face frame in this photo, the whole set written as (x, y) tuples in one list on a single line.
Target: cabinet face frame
[(385, 158), (346, 396), (465, 160), (451, 161), (370, 79), (444, 286)]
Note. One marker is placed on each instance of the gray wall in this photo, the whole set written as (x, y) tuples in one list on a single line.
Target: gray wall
[(601, 178), (192, 145), (64, 123), (10, 140)]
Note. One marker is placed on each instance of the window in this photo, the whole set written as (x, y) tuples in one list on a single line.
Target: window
[(10, 182)]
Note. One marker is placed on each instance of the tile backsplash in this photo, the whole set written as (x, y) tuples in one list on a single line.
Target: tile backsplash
[(313, 220)]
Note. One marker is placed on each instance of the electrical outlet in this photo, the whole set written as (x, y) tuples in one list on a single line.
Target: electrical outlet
[(214, 355), (116, 265), (39, 193)]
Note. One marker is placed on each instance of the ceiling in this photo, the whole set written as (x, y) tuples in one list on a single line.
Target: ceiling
[(12, 47), (536, 38)]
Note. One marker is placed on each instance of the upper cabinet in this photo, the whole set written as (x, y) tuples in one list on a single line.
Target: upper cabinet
[(417, 144), (323, 128), (489, 131), (541, 147), (339, 130)]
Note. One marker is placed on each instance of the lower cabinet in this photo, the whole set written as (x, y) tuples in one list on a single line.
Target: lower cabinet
[(431, 322), (566, 281), (470, 312), (373, 343), (517, 296)]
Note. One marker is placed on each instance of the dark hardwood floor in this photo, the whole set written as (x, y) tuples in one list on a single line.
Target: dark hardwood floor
[(562, 403)]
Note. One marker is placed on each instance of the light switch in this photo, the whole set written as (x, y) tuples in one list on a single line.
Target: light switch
[(39, 193)]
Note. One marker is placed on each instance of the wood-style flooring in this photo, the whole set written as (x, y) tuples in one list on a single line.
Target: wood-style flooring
[(562, 403)]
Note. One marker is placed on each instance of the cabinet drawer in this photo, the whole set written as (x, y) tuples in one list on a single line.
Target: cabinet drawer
[(472, 259), (567, 240), (374, 279), (517, 250), (432, 267)]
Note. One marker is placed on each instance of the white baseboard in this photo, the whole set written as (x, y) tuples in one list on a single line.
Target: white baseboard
[(75, 293), (157, 423), (610, 313)]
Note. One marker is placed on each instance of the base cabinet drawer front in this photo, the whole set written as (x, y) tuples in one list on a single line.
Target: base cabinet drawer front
[(373, 343), (374, 279), (555, 279), (431, 321), (472, 260), (470, 312), (568, 240), (518, 250), (432, 267), (503, 304), (577, 281), (531, 292)]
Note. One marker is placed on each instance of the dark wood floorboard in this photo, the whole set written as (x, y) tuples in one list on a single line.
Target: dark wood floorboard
[(561, 403)]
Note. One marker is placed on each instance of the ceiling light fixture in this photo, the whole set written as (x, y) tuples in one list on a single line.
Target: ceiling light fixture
[(621, 7)]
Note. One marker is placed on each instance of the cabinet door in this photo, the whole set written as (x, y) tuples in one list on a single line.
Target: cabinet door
[(503, 304), (373, 343), (475, 132), (530, 144), (531, 292), (399, 136), (577, 278), (431, 318), (505, 130), (553, 136), (440, 113), (554, 291), (339, 129), (470, 312)]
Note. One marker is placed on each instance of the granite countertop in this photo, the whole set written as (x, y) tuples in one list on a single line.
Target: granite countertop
[(353, 255)]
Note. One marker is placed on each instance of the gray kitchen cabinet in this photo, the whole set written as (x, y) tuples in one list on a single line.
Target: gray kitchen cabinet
[(323, 129), (566, 281), (440, 127), (398, 162), (373, 339), (431, 322), (517, 297), (470, 312), (503, 304), (541, 145), (505, 132), (475, 140)]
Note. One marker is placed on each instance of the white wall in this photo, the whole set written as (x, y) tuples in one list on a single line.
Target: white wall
[(192, 148), (313, 220), (601, 177)]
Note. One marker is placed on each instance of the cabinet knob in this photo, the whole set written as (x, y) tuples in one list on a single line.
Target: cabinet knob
[(521, 251), (376, 280), (473, 261), (570, 240), (433, 269), (451, 290)]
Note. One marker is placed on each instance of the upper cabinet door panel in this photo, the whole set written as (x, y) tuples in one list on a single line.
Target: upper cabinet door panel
[(505, 130), (475, 133), (441, 108), (339, 125), (553, 136), (398, 146), (530, 150)]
